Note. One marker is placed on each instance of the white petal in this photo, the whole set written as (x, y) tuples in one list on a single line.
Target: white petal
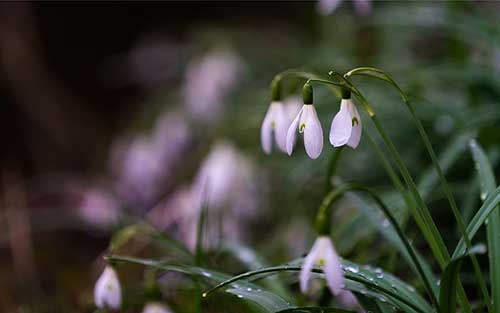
[(292, 107), (307, 266), (292, 133), (356, 128), (313, 133), (107, 291), (332, 269), (347, 299), (266, 131), (341, 129), (280, 126)]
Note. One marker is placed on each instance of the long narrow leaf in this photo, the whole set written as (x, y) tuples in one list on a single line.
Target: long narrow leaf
[(489, 205), (268, 301), (488, 184)]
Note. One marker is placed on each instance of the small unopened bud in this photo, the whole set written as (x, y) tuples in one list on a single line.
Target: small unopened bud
[(276, 90)]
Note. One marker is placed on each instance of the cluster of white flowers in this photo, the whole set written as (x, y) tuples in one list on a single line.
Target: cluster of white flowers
[(345, 128)]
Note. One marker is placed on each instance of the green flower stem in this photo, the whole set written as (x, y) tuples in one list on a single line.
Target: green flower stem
[(421, 212), (332, 167), (442, 178), (323, 220)]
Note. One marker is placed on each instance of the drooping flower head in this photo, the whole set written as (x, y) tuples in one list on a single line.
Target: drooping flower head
[(306, 122), (275, 123), (323, 254), (346, 125), (107, 291), (155, 307)]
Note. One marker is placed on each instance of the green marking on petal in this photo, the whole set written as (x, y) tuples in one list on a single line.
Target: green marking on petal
[(321, 262), (302, 127), (110, 287), (273, 124), (355, 121)]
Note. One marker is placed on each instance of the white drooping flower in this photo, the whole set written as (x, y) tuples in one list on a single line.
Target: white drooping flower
[(155, 307), (107, 291), (306, 122), (208, 80), (275, 123), (292, 107), (346, 126), (278, 118), (323, 254)]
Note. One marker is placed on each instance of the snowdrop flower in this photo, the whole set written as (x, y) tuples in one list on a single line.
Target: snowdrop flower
[(155, 307), (323, 254), (107, 291), (306, 122), (346, 125), (275, 123), (292, 107), (278, 118)]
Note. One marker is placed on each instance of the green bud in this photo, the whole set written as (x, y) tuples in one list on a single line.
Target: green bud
[(276, 90), (307, 93), (346, 94)]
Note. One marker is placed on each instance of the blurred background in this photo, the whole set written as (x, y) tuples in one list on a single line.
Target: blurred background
[(116, 113)]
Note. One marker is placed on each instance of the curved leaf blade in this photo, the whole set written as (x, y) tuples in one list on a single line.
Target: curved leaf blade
[(449, 281), (268, 301), (487, 185)]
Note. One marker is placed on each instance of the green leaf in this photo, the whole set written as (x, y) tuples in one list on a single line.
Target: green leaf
[(315, 309), (449, 281), (253, 261), (266, 300), (372, 282), (479, 218), (488, 184)]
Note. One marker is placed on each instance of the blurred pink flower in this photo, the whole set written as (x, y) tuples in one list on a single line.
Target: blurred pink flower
[(99, 208), (144, 164), (225, 185), (327, 7), (207, 81)]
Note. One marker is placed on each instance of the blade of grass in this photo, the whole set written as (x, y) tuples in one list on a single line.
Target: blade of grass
[(487, 185)]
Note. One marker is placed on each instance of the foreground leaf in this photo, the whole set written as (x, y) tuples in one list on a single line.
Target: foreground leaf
[(266, 300)]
